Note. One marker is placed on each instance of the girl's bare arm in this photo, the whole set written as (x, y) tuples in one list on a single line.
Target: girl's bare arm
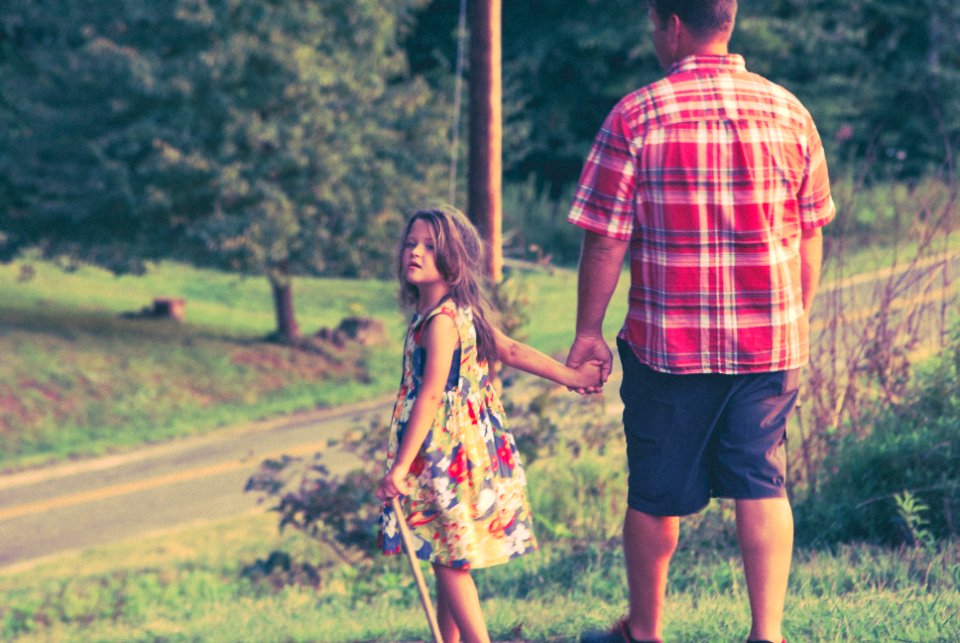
[(440, 340), (526, 358)]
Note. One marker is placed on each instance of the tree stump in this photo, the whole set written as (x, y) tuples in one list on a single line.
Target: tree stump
[(168, 308)]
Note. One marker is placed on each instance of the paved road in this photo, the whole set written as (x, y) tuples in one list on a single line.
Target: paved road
[(77, 505)]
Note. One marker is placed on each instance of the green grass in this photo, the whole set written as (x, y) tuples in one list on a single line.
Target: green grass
[(77, 378), (186, 585), (843, 263), (82, 382), (224, 303)]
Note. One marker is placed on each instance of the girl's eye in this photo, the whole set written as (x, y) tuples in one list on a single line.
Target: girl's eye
[(409, 244), (430, 247)]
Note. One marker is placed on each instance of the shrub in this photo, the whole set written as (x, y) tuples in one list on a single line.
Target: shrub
[(903, 475), (575, 466), (340, 511), (535, 225)]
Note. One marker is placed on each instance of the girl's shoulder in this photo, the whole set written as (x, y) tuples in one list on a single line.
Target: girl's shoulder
[(461, 316), (446, 308), (451, 309)]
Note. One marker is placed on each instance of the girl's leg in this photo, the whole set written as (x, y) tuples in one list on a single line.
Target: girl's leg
[(448, 626), (458, 597)]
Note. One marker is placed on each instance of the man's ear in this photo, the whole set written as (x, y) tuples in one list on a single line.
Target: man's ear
[(674, 27)]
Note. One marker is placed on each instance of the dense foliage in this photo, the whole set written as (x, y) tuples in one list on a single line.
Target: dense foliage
[(879, 76), (901, 482), (273, 138)]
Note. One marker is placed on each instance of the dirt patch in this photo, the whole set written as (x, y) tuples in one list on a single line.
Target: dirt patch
[(312, 360), (12, 410), (48, 392)]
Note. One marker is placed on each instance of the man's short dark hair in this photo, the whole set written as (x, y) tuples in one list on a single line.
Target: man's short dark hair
[(704, 18)]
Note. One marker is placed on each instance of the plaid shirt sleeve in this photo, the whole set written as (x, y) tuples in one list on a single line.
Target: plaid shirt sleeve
[(604, 201), (816, 204)]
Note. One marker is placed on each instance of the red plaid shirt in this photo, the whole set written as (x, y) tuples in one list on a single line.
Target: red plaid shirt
[(711, 173)]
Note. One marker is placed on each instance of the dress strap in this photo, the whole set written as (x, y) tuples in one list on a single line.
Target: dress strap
[(445, 306)]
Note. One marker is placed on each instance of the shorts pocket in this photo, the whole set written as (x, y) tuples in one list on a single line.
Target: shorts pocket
[(791, 381)]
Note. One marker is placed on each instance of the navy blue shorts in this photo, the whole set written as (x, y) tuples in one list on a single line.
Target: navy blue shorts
[(695, 437)]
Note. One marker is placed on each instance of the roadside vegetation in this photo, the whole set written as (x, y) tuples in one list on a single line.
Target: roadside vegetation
[(188, 586), (873, 456), (241, 579)]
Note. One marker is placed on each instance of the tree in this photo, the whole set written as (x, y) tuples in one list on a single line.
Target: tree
[(881, 77), (319, 133), (565, 65), (276, 138)]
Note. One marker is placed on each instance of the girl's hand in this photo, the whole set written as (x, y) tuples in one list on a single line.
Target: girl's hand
[(392, 485), (588, 375)]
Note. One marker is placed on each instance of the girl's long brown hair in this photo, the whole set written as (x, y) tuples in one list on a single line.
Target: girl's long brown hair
[(461, 259)]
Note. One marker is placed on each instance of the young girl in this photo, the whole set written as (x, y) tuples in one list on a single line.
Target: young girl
[(450, 452)]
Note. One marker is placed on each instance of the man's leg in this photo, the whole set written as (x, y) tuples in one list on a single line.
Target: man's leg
[(667, 419), (648, 544), (765, 531)]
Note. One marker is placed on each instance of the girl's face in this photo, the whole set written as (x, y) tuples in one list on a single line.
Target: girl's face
[(419, 259)]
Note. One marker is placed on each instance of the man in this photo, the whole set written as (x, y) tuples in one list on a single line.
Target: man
[(715, 179)]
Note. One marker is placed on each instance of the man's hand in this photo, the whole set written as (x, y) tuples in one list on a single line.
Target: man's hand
[(601, 260), (586, 348)]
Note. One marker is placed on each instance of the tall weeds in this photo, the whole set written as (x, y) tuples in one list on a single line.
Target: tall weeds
[(869, 330)]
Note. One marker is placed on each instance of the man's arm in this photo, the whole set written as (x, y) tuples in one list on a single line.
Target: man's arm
[(601, 260), (811, 259)]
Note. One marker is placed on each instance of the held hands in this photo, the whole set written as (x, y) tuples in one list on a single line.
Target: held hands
[(392, 485), (587, 375), (587, 349)]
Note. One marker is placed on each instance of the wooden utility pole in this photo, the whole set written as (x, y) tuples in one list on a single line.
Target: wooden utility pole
[(484, 204)]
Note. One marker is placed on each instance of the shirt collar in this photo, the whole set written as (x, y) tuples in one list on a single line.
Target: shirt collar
[(728, 63)]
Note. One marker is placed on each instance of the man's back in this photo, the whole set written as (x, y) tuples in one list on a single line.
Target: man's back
[(711, 173)]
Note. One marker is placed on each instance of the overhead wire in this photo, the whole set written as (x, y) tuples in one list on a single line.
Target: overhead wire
[(457, 104)]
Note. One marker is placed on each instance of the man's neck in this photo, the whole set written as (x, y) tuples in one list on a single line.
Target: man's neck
[(714, 48)]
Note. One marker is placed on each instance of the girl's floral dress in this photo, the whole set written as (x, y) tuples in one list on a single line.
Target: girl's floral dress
[(468, 506)]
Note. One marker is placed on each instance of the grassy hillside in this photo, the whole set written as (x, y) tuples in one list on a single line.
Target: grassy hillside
[(77, 378)]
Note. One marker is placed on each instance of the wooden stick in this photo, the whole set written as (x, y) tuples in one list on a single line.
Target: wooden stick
[(407, 538)]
